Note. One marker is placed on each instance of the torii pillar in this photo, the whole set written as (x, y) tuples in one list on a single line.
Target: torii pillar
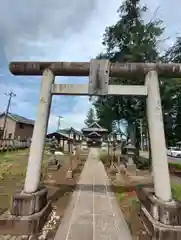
[(160, 214), (31, 204)]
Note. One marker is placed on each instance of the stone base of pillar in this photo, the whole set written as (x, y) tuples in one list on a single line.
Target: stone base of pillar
[(27, 215), (131, 169), (161, 220), (69, 174)]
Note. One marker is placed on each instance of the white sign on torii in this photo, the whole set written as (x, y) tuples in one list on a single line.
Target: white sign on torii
[(99, 72)]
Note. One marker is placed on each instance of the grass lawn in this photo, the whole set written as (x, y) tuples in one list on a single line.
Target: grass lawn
[(176, 191), (14, 163), (12, 174)]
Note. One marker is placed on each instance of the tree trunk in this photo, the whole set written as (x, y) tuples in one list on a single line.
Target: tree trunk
[(132, 132)]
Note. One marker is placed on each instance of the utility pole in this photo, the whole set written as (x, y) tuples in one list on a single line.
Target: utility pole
[(59, 119), (10, 95), (141, 133)]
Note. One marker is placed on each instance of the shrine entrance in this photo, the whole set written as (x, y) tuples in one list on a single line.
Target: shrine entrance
[(99, 72)]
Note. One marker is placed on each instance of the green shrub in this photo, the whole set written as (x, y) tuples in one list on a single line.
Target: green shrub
[(105, 158), (142, 163), (176, 191), (175, 165)]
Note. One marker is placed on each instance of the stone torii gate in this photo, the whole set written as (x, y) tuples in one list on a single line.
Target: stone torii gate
[(159, 212)]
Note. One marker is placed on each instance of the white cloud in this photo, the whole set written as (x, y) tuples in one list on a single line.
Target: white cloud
[(73, 37), (63, 30)]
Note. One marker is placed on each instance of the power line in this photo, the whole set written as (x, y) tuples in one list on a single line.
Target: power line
[(10, 95)]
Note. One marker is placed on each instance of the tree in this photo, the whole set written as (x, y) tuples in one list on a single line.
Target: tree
[(171, 97), (90, 117), (129, 40)]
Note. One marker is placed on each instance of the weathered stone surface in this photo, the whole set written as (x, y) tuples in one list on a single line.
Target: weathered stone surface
[(157, 230), (24, 204), (26, 225), (27, 215), (69, 174), (162, 220), (167, 213)]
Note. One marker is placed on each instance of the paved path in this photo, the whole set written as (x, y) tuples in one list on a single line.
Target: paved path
[(93, 213)]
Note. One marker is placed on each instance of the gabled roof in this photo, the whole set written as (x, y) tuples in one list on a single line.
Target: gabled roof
[(94, 125), (68, 130), (94, 133), (18, 118), (57, 134)]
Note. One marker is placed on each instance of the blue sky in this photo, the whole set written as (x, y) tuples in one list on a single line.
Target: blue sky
[(61, 30)]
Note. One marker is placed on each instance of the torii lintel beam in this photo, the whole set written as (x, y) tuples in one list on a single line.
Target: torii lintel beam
[(82, 68)]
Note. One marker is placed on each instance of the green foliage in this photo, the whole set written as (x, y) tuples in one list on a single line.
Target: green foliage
[(171, 97), (90, 117), (176, 191), (105, 158), (132, 39), (142, 163), (129, 40), (175, 165)]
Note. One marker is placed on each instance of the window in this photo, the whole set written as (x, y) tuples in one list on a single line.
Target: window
[(9, 135), (21, 125)]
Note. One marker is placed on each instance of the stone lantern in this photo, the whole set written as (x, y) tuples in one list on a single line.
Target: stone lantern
[(53, 162), (71, 150), (118, 148), (131, 151), (118, 137)]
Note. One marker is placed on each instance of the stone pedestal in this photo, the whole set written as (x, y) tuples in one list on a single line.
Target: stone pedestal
[(131, 169), (69, 174), (161, 220), (27, 215), (53, 163)]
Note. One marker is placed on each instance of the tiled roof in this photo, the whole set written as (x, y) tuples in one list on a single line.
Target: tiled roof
[(58, 133), (94, 130), (19, 118), (67, 131), (94, 127)]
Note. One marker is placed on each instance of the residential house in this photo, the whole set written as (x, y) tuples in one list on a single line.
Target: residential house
[(63, 135), (17, 127)]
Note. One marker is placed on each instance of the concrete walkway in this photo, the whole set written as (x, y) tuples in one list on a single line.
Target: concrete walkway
[(93, 213)]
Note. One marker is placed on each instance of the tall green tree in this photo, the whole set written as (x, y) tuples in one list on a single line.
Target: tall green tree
[(90, 117), (171, 97), (131, 39)]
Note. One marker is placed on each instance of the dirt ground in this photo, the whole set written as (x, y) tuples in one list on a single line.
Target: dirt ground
[(60, 192), (129, 203)]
